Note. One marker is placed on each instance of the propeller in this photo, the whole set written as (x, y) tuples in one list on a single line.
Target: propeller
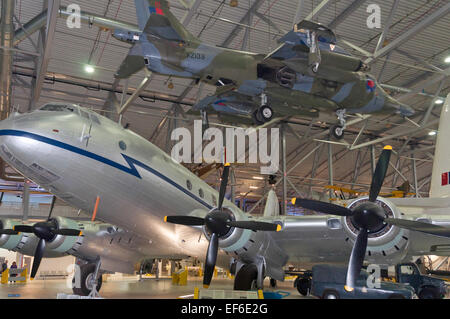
[(218, 223), (368, 217), (46, 232)]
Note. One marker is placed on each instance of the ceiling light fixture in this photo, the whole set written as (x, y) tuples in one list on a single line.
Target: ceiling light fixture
[(89, 69)]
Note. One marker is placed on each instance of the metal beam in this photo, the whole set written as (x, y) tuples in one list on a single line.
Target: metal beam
[(317, 11), (238, 28), (190, 14), (47, 45), (411, 32), (141, 88), (347, 12), (387, 26), (6, 37)]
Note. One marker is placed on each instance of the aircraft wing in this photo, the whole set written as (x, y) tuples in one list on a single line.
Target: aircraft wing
[(133, 63)]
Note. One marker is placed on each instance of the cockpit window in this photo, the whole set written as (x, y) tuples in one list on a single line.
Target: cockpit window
[(84, 114), (57, 108), (95, 119)]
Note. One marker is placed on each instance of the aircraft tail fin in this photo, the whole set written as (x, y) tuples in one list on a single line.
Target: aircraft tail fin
[(154, 17), (440, 178), (272, 207)]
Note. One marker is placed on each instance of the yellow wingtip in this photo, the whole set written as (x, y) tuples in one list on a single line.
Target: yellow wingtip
[(349, 289), (80, 234), (206, 286), (31, 278), (388, 147), (278, 227), (165, 219), (227, 164), (293, 201)]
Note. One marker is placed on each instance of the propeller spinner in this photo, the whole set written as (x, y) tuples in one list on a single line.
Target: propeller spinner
[(369, 218), (218, 223)]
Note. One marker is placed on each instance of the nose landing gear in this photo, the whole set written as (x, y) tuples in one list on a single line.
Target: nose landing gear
[(338, 130)]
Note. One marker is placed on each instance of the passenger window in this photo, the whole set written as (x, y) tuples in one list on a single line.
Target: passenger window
[(189, 184), (214, 200), (84, 114), (57, 108), (200, 193)]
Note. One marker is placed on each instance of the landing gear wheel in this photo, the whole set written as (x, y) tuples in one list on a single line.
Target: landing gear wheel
[(303, 286), (257, 118), (337, 131), (246, 277), (266, 113), (273, 283), (86, 273)]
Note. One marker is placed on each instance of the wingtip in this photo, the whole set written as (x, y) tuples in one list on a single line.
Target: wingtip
[(165, 219), (278, 227), (293, 201), (206, 286), (388, 147)]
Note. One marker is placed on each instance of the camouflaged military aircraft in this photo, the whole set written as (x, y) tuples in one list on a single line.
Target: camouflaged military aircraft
[(306, 74)]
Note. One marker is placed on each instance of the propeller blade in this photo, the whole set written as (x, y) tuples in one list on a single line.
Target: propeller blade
[(37, 257), (67, 232), (8, 232), (322, 207), (51, 207), (380, 173), (419, 226), (23, 228), (211, 258), (185, 220), (223, 184), (253, 225), (356, 259)]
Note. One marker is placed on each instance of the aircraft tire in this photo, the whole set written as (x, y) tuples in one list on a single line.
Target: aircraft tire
[(256, 118), (85, 271), (303, 286), (266, 113), (245, 277), (273, 283), (337, 131)]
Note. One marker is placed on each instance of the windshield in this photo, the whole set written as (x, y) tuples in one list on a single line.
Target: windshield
[(58, 108)]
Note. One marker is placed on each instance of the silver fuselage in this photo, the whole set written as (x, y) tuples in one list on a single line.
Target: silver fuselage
[(79, 158)]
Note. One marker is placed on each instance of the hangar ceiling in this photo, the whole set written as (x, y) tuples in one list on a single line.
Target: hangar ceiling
[(410, 58)]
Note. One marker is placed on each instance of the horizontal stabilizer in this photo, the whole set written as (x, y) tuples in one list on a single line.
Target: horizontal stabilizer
[(133, 63)]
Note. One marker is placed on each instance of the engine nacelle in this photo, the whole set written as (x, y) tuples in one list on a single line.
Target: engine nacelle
[(126, 36), (25, 243), (389, 245)]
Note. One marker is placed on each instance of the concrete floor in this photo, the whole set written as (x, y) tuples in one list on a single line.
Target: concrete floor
[(129, 288)]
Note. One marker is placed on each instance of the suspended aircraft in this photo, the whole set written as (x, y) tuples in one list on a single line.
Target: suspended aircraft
[(150, 206), (307, 74)]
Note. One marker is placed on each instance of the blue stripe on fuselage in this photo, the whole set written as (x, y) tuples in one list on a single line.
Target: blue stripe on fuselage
[(131, 169)]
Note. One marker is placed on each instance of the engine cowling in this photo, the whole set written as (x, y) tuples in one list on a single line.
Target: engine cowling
[(252, 246), (25, 243), (386, 245)]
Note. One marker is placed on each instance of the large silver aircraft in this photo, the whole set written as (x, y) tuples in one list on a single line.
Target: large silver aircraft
[(147, 199)]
